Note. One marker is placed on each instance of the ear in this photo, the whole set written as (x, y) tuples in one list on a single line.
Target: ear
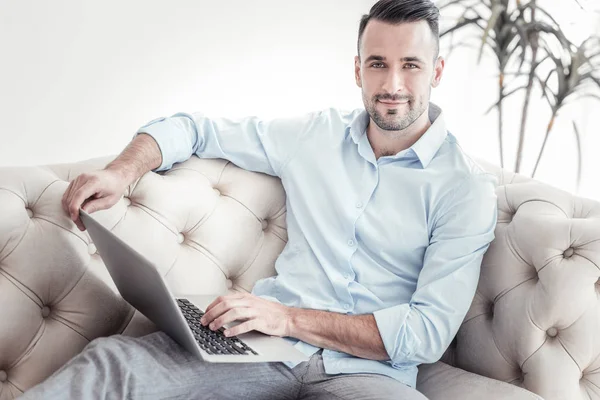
[(438, 70), (357, 71)]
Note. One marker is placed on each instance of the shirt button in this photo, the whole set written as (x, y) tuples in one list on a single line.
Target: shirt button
[(350, 242), (346, 276), (359, 205), (346, 306)]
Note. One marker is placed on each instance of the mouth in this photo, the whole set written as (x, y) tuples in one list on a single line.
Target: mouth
[(392, 103)]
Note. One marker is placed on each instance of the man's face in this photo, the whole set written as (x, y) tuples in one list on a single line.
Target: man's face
[(396, 71)]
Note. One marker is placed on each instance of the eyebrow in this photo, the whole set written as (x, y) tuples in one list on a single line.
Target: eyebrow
[(403, 59)]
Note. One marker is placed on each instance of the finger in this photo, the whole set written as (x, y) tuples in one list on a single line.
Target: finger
[(232, 315), (82, 194), (214, 302), (219, 300), (244, 327), (79, 224), (221, 308), (75, 184), (78, 221), (66, 196), (95, 205), (79, 182)]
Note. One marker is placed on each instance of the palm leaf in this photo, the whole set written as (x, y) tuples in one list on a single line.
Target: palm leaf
[(497, 9), (545, 90), (579, 154), (557, 32), (462, 24), (503, 97)]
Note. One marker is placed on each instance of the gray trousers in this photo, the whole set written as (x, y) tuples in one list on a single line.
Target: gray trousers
[(156, 367)]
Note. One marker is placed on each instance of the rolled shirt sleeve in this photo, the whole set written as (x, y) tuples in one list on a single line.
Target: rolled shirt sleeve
[(421, 331), (249, 142)]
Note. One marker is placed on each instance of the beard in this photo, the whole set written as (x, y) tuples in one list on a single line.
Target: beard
[(395, 119)]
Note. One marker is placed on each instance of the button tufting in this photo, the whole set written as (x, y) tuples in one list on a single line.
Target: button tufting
[(127, 201), (265, 224), (229, 283), (45, 312), (92, 249), (3, 376), (180, 238), (552, 332), (29, 212), (568, 252)]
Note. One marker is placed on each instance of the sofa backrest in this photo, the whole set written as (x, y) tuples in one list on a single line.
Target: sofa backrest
[(535, 319), (211, 227)]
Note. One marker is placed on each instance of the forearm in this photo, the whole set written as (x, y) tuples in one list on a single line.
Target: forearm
[(141, 155), (353, 334)]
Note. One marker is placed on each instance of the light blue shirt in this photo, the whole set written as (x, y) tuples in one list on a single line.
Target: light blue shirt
[(401, 237)]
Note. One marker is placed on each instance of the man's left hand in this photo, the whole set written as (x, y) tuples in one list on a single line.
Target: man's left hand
[(259, 314)]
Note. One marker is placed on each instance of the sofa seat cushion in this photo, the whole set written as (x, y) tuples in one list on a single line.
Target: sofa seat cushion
[(440, 381)]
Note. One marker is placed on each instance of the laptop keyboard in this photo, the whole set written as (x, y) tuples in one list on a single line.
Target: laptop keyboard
[(213, 342)]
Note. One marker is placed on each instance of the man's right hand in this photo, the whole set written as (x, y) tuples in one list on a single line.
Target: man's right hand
[(99, 190)]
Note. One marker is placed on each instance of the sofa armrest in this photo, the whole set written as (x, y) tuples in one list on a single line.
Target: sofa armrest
[(55, 292), (440, 381)]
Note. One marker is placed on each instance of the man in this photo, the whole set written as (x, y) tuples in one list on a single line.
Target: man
[(388, 221)]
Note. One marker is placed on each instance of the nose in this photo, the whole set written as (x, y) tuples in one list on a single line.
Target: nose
[(394, 82)]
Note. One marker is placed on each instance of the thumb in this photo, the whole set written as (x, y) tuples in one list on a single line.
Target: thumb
[(97, 205)]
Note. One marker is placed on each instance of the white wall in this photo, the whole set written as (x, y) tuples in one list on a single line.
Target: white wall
[(77, 78)]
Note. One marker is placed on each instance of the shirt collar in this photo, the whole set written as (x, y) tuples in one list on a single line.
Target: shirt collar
[(425, 148)]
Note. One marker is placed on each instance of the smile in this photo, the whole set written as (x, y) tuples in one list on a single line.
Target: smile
[(393, 103)]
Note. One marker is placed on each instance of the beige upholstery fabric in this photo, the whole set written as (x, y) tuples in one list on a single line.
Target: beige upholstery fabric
[(441, 381), (212, 227)]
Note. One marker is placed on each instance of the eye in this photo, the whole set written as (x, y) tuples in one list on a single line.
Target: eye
[(411, 66), (377, 65)]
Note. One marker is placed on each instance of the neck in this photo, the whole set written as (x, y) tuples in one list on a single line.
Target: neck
[(389, 143)]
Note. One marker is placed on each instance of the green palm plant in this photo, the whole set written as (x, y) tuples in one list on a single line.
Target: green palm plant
[(522, 34), (577, 76), (497, 29)]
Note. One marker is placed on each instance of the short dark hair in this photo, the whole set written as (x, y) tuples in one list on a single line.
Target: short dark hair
[(399, 11)]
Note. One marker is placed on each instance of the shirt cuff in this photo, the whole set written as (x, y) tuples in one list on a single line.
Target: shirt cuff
[(163, 132), (400, 342)]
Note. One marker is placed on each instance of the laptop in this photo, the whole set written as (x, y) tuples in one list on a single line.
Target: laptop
[(141, 285)]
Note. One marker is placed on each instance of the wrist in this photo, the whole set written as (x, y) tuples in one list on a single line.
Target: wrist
[(126, 176), (292, 321)]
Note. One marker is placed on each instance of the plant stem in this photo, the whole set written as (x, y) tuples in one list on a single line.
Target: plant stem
[(524, 116), (531, 78), (548, 130), (500, 117)]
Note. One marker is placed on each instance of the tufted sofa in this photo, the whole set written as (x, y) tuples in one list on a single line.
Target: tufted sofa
[(213, 228)]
